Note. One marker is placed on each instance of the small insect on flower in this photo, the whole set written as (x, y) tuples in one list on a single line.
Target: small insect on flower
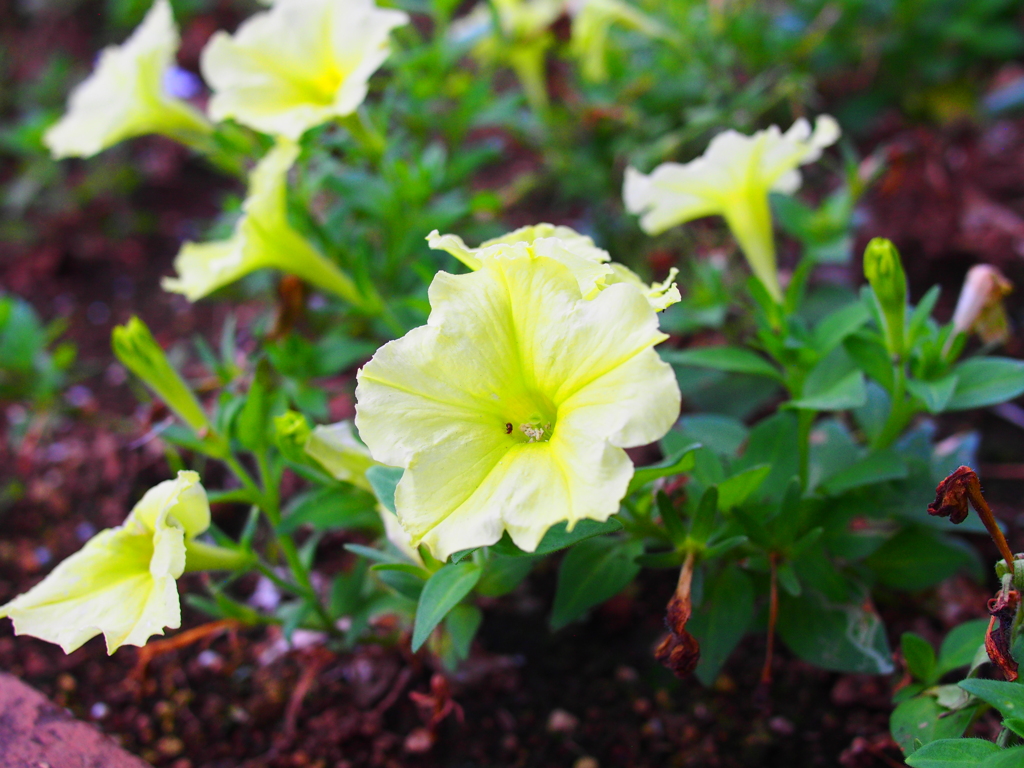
[(508, 427)]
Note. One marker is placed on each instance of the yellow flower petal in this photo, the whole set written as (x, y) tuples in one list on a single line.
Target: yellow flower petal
[(509, 410), (563, 244), (733, 179), (298, 64), (661, 295), (122, 582), (124, 96)]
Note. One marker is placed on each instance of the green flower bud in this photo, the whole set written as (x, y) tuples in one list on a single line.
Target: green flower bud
[(136, 348), (884, 271), (291, 432)]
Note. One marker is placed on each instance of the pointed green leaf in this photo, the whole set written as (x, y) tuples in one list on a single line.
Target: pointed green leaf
[(442, 592), (1008, 698), (952, 753), (985, 381), (592, 572), (728, 359), (679, 462)]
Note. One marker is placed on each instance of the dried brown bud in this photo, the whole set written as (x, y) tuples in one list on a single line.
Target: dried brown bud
[(680, 651), (951, 500), (951, 496), (1002, 608)]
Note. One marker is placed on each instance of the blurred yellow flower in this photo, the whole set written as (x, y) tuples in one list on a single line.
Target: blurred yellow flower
[(733, 179), (521, 41), (122, 582), (262, 238), (299, 64), (591, 265), (124, 96), (510, 409), (591, 21)]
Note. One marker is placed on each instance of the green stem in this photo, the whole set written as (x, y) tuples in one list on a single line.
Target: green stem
[(899, 413), (271, 507), (805, 420)]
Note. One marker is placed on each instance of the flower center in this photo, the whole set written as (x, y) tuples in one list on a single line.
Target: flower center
[(530, 418), (536, 433)]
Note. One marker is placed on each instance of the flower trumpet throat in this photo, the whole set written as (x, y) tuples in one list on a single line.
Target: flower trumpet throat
[(125, 95), (262, 238), (510, 409)]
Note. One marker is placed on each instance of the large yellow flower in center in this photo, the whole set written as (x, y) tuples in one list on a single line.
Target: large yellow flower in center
[(510, 409)]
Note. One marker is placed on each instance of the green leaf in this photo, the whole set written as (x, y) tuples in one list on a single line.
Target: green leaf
[(952, 753), (728, 359), (918, 558), (985, 381), (920, 657), (719, 548), (384, 480), (773, 441), (723, 620), (462, 624), (1015, 724), (735, 490), (558, 537), (934, 394), (405, 584), (788, 580), (253, 422), (868, 350), (919, 319), (922, 719), (874, 468), (411, 568), (703, 523), (835, 636), (961, 645), (722, 434), (680, 461), (831, 331), (592, 572), (1008, 698), (848, 392), (503, 574), (442, 592), (670, 518), (1007, 758), (327, 509), (376, 555)]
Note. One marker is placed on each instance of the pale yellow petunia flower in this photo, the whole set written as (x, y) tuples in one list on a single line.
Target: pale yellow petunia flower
[(122, 582), (733, 179), (125, 96), (262, 238), (510, 409), (299, 64), (591, 265)]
